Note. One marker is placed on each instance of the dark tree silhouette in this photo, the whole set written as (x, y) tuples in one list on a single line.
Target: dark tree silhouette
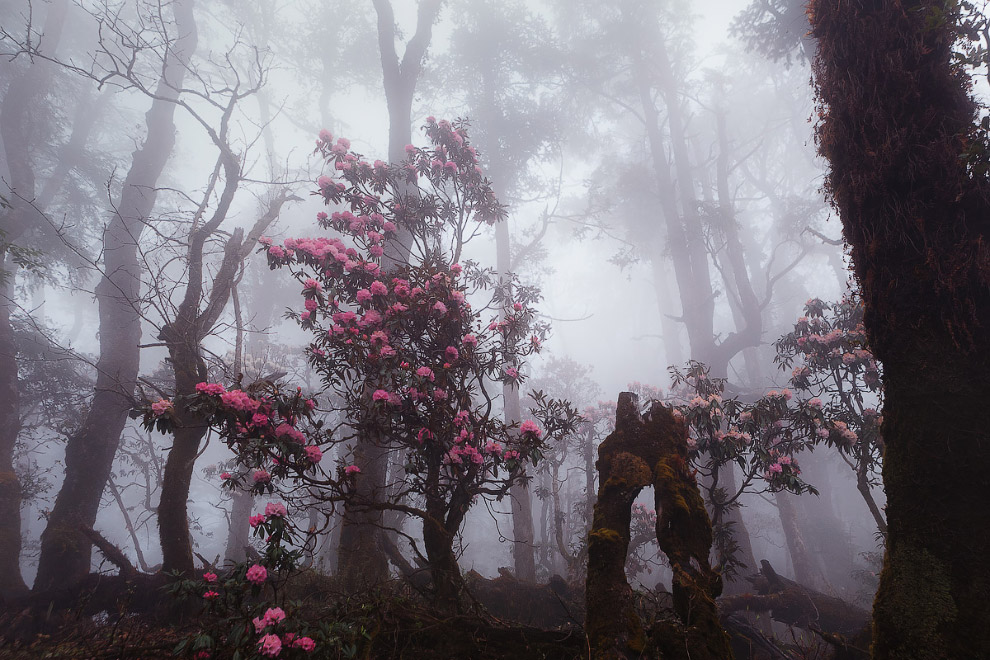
[(897, 127)]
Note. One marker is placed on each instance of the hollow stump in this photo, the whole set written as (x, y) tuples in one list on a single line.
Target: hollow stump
[(640, 452)]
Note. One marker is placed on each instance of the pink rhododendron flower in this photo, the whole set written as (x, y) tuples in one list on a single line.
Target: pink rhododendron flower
[(451, 353), (517, 306), (260, 623), (325, 136), (312, 285), (470, 340), (378, 288), (380, 395), (225, 476), (259, 419), (304, 643), (512, 373), (314, 454), (270, 645), (239, 400), (274, 615), (161, 407), (324, 182), (776, 469), (261, 477), (363, 296), (210, 595), (211, 388), (289, 432), (529, 427), (256, 520), (210, 577), (440, 307), (425, 372), (815, 403), (351, 469), (257, 574), (275, 510)]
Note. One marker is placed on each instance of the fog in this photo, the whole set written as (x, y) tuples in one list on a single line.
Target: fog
[(663, 204)]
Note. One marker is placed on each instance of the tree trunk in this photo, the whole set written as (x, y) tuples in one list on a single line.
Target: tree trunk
[(89, 453), (18, 111), (908, 177), (11, 582), (361, 562), (239, 531), (805, 571)]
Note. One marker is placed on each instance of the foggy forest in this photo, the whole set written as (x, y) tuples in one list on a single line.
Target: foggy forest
[(487, 329)]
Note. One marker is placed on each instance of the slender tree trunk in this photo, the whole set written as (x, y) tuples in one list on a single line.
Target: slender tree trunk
[(11, 582), (89, 453), (361, 559), (361, 562), (802, 562), (898, 131), (17, 114)]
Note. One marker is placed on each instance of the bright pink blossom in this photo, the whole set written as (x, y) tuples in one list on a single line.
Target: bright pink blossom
[(270, 645), (161, 407), (304, 643), (256, 520), (529, 427), (351, 469), (313, 454), (257, 574), (261, 477), (210, 577), (275, 510)]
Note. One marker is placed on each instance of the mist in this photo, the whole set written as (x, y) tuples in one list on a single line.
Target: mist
[(464, 328)]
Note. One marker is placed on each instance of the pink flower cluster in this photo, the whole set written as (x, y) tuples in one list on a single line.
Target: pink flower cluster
[(256, 574), (530, 428), (211, 388), (271, 616), (238, 400), (160, 407), (286, 431)]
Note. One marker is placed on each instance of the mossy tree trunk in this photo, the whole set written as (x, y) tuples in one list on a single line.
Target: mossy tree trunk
[(898, 130)]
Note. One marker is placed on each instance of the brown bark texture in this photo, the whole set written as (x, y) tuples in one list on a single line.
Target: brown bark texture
[(908, 175), (640, 452)]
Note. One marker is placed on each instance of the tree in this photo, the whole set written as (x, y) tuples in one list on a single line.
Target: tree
[(908, 177), (409, 330), (65, 553), (360, 558)]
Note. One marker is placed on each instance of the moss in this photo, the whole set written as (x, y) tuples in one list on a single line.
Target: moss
[(915, 600), (605, 535)]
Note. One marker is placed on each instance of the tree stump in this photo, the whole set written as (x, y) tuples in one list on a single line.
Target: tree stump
[(641, 452)]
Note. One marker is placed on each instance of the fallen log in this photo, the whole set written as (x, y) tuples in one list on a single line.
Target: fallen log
[(792, 603)]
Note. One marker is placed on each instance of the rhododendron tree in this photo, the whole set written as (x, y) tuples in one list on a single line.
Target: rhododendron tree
[(840, 383), (245, 612), (398, 344)]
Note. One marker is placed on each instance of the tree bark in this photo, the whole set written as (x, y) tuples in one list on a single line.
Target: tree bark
[(908, 177)]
